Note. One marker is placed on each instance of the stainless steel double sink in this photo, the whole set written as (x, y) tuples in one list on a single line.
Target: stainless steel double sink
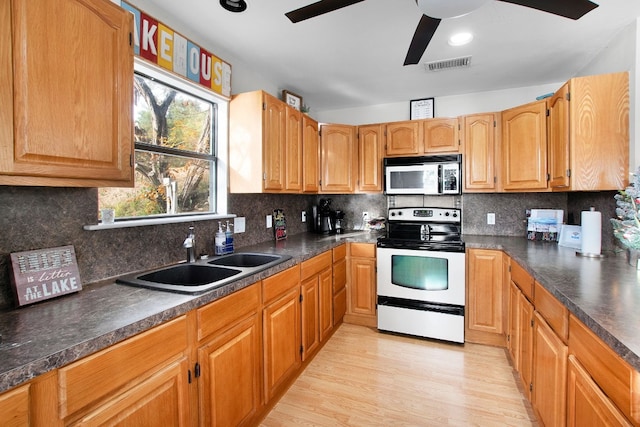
[(204, 275)]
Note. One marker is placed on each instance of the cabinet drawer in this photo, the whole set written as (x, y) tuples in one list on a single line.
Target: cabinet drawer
[(99, 375), (522, 279), (340, 252), (553, 311), (14, 406), (362, 250), (339, 275), (315, 265), (617, 379), (227, 310), (278, 284)]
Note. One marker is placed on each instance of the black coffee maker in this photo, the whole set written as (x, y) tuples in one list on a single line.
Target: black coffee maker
[(324, 218)]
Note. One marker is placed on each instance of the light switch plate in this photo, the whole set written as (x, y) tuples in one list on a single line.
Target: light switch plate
[(491, 218), (239, 224)]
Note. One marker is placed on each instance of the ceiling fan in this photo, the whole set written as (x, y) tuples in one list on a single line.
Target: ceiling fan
[(435, 11)]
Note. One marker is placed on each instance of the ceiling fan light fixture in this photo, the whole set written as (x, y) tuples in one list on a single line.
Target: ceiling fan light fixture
[(449, 9), (460, 39), (235, 6)]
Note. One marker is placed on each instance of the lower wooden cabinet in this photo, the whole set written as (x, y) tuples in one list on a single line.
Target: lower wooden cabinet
[(587, 405), (549, 374), (361, 284), (14, 407), (339, 283), (317, 301), (281, 330), (484, 308), (229, 385)]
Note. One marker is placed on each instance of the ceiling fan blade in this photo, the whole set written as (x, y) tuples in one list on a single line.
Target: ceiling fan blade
[(318, 8), (573, 9), (421, 38)]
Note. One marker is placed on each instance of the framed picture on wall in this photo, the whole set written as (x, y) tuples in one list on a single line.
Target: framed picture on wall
[(292, 99), (421, 109)]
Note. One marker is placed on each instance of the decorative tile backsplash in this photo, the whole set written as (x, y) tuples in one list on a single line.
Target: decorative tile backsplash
[(43, 217)]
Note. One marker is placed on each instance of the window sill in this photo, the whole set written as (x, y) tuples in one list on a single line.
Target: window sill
[(126, 223)]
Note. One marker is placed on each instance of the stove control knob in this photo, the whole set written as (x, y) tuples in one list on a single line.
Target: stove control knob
[(446, 214), (455, 214)]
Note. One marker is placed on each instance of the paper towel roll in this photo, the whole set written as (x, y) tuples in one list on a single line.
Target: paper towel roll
[(591, 222)]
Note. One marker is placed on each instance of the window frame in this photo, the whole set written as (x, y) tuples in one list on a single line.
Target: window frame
[(220, 152)]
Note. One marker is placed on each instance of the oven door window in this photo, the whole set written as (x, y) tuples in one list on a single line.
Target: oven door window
[(420, 272)]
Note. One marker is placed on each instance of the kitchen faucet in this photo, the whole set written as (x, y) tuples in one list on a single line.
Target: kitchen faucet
[(190, 244)]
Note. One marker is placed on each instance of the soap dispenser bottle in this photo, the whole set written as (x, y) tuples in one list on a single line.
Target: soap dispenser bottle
[(228, 239), (220, 240)]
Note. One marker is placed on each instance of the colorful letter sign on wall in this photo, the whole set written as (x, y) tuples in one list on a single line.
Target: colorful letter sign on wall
[(160, 45)]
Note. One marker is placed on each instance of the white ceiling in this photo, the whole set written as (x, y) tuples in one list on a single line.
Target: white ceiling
[(353, 57)]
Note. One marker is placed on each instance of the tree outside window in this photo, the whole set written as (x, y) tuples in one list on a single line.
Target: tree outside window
[(174, 157)]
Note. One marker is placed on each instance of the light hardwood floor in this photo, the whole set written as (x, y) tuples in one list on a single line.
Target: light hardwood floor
[(365, 378)]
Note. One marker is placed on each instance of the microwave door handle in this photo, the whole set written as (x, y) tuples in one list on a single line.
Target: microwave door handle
[(440, 180)]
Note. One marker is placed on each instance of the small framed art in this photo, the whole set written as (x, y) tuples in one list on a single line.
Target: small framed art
[(421, 108), (292, 99)]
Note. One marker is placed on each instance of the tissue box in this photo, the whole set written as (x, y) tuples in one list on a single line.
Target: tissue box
[(544, 224)]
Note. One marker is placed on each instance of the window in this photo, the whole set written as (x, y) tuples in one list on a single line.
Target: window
[(177, 150)]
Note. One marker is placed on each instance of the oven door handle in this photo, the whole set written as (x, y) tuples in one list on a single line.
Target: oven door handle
[(457, 310)]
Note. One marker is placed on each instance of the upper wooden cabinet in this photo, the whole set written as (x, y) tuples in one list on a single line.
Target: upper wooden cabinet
[(480, 135), (524, 147), (257, 143), (416, 137), (589, 134), (293, 176), (339, 158), (310, 155), (404, 138), (66, 120), (370, 153), (441, 136)]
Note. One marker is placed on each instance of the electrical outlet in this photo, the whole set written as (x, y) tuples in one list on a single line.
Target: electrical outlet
[(269, 221), (239, 224), (491, 218), (304, 216)]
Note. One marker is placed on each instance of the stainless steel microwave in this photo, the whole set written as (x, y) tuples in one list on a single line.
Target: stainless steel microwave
[(428, 175)]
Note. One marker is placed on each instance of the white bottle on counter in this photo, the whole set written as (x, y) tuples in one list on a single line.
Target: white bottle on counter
[(220, 240)]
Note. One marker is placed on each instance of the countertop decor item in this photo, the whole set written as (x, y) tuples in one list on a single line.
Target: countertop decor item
[(626, 228)]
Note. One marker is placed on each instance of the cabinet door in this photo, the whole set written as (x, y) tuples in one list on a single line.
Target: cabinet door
[(339, 158), (274, 140), (480, 150), (293, 151), (281, 323), (59, 136), (441, 136), (587, 405), (161, 399), (325, 303), (404, 138), (513, 337), (524, 147), (310, 155), (558, 124), (362, 287), (525, 326), (549, 374), (484, 297), (310, 316), (229, 384), (14, 407), (370, 149)]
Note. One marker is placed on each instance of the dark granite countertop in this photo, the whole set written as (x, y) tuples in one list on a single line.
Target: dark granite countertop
[(603, 293), (48, 335)]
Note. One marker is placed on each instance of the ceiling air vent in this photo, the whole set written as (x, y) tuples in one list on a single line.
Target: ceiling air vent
[(445, 64)]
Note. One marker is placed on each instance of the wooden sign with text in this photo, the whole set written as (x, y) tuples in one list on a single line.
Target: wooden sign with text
[(43, 274)]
